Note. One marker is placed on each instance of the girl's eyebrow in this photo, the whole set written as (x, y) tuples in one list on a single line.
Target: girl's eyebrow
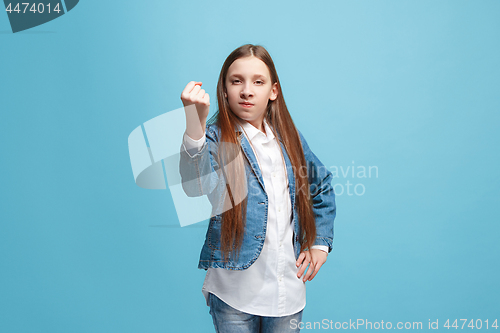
[(241, 76)]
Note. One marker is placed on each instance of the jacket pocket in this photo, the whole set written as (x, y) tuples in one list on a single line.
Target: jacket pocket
[(214, 232)]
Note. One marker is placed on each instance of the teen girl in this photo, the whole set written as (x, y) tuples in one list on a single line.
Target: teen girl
[(273, 203)]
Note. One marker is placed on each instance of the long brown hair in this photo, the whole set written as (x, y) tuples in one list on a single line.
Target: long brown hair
[(280, 121)]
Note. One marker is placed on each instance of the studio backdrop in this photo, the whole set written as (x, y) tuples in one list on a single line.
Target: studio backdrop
[(399, 100)]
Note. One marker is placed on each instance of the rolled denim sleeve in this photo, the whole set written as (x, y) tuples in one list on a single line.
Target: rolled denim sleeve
[(321, 247), (322, 195)]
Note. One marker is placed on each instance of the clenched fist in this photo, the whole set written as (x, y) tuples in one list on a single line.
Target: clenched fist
[(197, 105)]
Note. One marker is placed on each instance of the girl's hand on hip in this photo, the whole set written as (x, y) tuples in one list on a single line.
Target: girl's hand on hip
[(315, 258)]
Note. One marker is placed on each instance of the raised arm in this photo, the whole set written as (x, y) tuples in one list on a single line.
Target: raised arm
[(197, 166)]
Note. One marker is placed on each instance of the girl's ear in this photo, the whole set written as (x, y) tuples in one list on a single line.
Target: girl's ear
[(274, 92)]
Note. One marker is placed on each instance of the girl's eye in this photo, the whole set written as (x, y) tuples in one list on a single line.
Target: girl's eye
[(260, 82), (235, 81)]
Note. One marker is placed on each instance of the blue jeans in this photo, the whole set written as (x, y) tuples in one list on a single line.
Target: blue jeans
[(229, 320)]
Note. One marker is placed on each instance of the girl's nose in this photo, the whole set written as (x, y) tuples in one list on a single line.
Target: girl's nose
[(246, 92)]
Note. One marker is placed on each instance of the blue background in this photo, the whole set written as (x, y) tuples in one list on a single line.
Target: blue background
[(411, 87)]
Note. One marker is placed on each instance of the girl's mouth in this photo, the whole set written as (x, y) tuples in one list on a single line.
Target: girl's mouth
[(246, 105)]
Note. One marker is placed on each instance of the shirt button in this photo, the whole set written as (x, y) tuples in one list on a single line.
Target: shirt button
[(274, 174), (281, 244), (279, 278), (279, 209)]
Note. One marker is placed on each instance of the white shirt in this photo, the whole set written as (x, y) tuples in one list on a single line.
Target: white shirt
[(269, 287)]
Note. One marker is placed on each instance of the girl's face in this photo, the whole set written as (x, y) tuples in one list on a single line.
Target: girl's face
[(249, 89)]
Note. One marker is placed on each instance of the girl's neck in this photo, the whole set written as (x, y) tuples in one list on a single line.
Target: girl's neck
[(261, 128)]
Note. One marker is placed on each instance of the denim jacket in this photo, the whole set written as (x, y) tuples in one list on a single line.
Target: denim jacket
[(201, 175)]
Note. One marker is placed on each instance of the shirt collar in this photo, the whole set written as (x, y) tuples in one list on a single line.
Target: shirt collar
[(252, 132)]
